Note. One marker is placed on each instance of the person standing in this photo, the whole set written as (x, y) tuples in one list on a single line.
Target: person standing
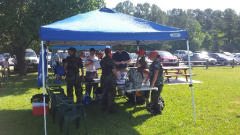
[(156, 80), (71, 67), (121, 59), (91, 71), (108, 81)]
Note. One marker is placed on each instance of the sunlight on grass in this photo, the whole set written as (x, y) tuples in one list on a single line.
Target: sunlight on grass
[(217, 105)]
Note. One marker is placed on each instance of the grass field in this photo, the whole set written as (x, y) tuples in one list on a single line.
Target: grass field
[(217, 104)]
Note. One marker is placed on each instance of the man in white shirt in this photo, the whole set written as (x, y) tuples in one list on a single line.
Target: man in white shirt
[(91, 71)]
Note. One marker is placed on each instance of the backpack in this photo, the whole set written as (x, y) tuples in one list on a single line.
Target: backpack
[(134, 79), (157, 108)]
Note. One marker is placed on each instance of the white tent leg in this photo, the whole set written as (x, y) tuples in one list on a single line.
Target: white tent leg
[(190, 85), (43, 79)]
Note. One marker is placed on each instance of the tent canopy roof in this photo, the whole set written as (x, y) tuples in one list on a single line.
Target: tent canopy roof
[(98, 47), (106, 26)]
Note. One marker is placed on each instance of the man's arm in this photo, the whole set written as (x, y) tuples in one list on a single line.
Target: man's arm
[(115, 73), (156, 71)]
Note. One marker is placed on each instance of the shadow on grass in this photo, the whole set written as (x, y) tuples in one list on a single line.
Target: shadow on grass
[(17, 85)]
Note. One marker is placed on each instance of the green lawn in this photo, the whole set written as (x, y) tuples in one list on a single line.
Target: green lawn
[(217, 102)]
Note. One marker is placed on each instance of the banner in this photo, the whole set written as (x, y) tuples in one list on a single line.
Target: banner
[(40, 75)]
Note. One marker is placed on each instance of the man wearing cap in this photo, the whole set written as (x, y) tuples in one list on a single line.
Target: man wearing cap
[(91, 71), (121, 59), (71, 67), (156, 80)]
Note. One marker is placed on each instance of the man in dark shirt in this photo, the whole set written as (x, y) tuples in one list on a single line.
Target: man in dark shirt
[(71, 67), (108, 81), (121, 59)]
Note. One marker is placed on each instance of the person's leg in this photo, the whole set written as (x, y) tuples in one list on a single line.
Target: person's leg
[(155, 94), (69, 89), (154, 100), (78, 91), (89, 88)]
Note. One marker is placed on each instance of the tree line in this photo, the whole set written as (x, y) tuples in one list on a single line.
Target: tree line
[(210, 30)]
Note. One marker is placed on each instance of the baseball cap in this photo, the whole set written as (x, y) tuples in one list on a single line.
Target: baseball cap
[(141, 51), (153, 54)]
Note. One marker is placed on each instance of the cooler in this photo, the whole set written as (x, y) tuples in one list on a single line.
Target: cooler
[(38, 108)]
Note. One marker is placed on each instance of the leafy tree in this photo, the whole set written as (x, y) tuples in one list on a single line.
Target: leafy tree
[(21, 19), (125, 7)]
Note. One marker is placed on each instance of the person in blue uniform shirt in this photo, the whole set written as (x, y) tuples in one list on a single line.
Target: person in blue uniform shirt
[(156, 80)]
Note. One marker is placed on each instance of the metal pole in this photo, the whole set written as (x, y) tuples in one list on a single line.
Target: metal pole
[(190, 85), (43, 81)]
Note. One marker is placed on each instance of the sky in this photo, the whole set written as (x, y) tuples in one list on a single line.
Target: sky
[(184, 4)]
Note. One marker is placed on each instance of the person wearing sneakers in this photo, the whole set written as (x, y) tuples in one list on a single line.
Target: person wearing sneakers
[(156, 80)]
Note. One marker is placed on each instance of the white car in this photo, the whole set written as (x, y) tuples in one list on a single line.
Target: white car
[(31, 59), (181, 53)]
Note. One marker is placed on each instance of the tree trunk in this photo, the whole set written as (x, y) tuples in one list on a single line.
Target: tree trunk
[(20, 66)]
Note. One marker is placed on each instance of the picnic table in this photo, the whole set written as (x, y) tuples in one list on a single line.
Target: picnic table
[(170, 72)]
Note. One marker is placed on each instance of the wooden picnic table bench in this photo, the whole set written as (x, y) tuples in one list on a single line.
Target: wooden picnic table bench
[(170, 72), (176, 75)]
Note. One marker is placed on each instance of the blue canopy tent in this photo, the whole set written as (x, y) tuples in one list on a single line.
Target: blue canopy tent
[(105, 26), (96, 47)]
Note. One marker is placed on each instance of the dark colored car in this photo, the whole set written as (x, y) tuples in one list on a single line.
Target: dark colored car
[(221, 58)]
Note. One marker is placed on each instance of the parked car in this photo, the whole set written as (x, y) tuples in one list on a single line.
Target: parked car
[(168, 59), (236, 57), (200, 58), (31, 59), (181, 53), (221, 58)]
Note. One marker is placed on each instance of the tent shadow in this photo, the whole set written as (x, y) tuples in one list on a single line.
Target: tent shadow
[(18, 85)]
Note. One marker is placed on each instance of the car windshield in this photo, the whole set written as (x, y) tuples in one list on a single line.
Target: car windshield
[(30, 54), (222, 55), (165, 54)]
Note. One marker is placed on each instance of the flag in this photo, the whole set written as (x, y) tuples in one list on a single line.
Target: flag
[(40, 75)]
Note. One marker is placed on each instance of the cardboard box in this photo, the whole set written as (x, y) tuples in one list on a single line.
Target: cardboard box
[(38, 108)]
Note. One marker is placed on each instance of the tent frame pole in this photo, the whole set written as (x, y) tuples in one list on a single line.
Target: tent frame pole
[(191, 85), (43, 84)]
